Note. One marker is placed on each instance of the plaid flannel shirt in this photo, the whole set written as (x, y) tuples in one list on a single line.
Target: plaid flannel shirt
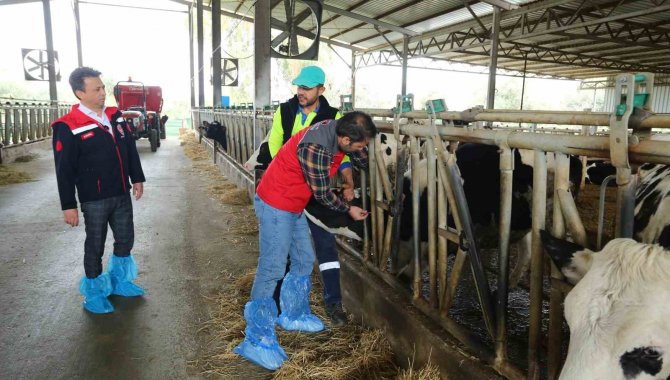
[(315, 161)]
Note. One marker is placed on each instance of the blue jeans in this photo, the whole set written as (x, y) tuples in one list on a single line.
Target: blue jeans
[(281, 234)]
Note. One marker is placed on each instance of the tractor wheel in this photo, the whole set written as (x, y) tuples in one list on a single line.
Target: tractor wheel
[(153, 139), (162, 129)]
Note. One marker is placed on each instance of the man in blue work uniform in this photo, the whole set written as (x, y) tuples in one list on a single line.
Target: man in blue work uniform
[(95, 154)]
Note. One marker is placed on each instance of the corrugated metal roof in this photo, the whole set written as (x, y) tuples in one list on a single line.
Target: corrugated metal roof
[(563, 38)]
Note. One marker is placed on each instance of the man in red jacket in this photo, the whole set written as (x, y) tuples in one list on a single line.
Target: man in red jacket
[(302, 168), (95, 154)]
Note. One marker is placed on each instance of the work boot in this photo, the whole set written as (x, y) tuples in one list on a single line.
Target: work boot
[(335, 312), (122, 272), (96, 290), (294, 299), (260, 345)]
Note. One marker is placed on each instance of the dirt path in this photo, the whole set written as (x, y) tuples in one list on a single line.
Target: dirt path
[(179, 248)]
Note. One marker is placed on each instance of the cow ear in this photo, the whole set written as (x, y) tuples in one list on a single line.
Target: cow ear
[(206, 124), (561, 251)]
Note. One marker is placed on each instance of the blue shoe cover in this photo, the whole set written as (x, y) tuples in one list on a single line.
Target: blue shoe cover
[(122, 271), (260, 345), (294, 301), (96, 290)]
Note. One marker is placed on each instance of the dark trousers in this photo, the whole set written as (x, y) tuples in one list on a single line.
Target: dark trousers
[(325, 248), (118, 213)]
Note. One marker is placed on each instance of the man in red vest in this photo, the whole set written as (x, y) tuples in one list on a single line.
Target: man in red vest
[(302, 168), (95, 154)]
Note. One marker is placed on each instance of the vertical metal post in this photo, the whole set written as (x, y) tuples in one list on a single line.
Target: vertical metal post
[(619, 119), (506, 179), (431, 193), (190, 54), (523, 82), (493, 62), (372, 165), (561, 181), (77, 26), (353, 79), (416, 237), (366, 226), (262, 60), (201, 59), (6, 139), (216, 52), (442, 212), (405, 48), (50, 52), (539, 213), (626, 184)]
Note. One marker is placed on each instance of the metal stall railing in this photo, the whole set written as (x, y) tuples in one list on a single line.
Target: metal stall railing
[(239, 125), (22, 122), (431, 136), (565, 215)]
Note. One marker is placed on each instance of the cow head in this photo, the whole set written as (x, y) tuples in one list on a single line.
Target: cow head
[(617, 311), (261, 157), (335, 222), (572, 259)]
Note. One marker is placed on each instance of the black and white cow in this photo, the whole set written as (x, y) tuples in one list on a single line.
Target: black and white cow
[(597, 171), (618, 310), (652, 201), (261, 157), (479, 166), (652, 205), (574, 177), (217, 132)]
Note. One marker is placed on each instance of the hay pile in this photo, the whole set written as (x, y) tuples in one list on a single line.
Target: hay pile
[(224, 191), (192, 148), (26, 158), (10, 176), (350, 352)]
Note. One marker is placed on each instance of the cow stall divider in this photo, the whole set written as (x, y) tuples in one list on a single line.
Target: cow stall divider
[(27, 122), (382, 191), (23, 122)]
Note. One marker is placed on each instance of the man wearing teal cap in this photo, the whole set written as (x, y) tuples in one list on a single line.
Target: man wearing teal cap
[(308, 107)]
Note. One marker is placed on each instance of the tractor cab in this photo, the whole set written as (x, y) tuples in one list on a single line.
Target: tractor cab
[(141, 107)]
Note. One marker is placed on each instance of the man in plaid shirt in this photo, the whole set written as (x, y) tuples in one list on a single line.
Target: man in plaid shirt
[(301, 168)]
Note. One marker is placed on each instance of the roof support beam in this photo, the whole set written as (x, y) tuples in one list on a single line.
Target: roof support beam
[(414, 22), (502, 4), (369, 20), (385, 14)]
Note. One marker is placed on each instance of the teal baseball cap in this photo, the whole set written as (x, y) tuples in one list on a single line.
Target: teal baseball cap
[(310, 76)]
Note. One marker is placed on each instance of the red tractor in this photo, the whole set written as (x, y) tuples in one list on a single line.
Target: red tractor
[(141, 106)]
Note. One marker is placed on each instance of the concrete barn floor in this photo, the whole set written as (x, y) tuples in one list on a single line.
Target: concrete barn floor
[(45, 331)]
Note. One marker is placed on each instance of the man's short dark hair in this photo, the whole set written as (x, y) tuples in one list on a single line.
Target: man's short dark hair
[(356, 125), (78, 75)]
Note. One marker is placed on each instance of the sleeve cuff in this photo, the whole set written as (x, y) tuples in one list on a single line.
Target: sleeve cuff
[(68, 206), (345, 165)]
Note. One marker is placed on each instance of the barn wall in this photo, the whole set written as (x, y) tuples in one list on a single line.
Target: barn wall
[(661, 103)]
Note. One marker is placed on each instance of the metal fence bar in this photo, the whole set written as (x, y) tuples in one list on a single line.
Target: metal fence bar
[(539, 212)]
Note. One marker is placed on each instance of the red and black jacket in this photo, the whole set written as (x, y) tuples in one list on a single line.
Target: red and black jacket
[(89, 158)]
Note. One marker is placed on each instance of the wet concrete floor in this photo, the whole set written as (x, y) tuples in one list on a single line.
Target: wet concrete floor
[(45, 331)]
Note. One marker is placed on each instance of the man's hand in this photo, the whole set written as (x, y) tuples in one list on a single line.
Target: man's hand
[(357, 213), (138, 190), (71, 217)]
